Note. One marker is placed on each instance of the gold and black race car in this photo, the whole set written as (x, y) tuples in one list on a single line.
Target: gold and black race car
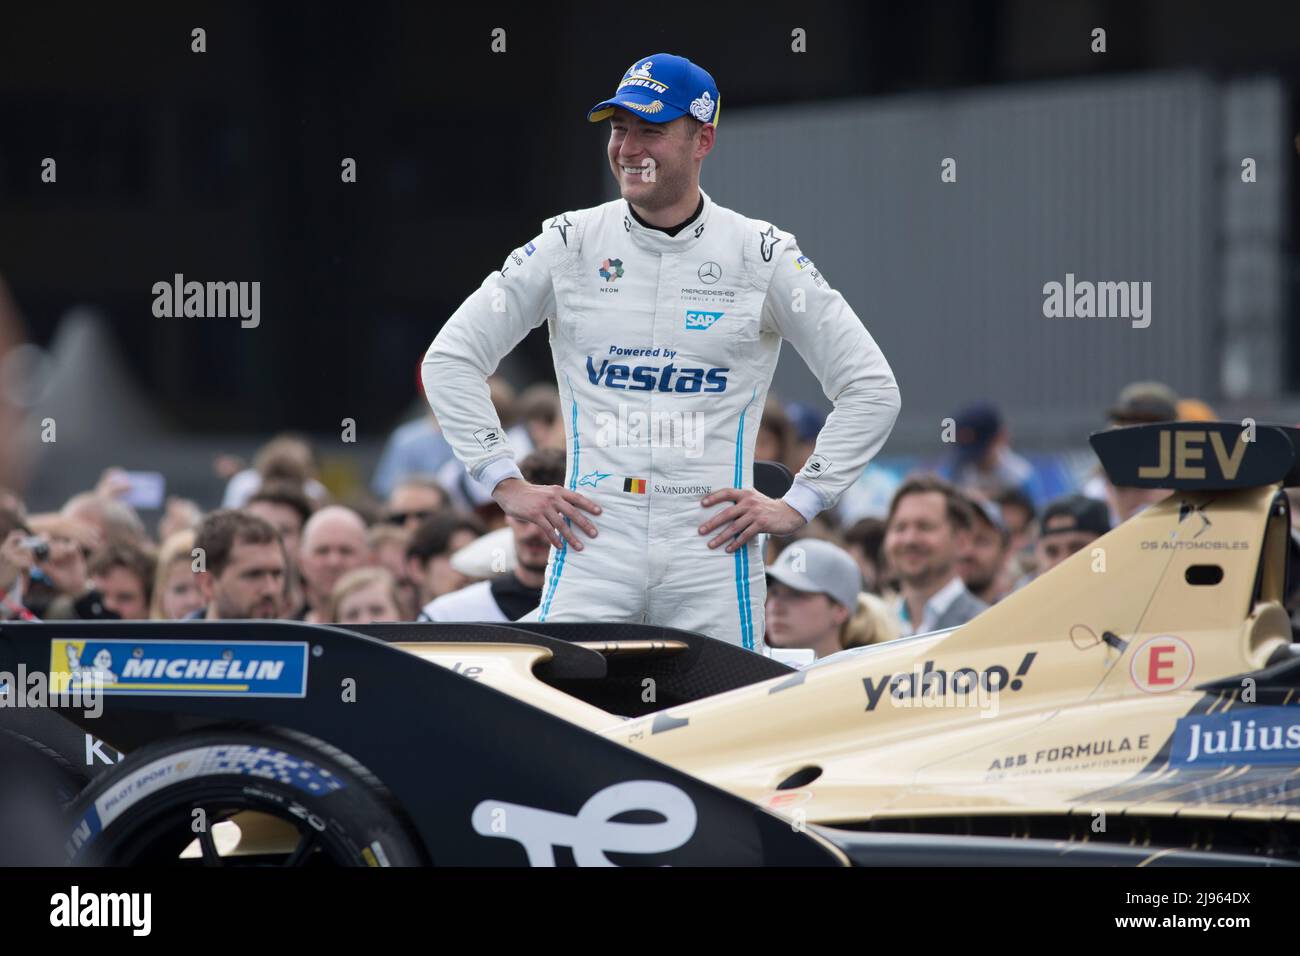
[(1137, 705)]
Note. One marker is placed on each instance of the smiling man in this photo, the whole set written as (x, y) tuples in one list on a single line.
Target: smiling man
[(666, 314), (928, 530)]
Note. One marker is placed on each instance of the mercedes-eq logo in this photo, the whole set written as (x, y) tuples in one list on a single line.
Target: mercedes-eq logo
[(710, 273)]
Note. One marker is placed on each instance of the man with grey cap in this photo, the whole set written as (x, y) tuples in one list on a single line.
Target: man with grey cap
[(812, 592)]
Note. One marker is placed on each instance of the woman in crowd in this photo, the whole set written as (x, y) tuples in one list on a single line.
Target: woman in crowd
[(815, 601), (175, 592), (364, 596)]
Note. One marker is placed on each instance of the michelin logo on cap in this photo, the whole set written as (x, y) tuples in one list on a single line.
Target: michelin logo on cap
[(702, 107), (662, 88), (182, 668), (640, 76)]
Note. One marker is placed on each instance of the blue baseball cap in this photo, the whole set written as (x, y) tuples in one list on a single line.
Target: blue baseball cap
[(661, 88), (807, 421), (977, 426)]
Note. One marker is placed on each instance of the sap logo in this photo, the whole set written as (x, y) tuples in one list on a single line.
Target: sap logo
[(1189, 447), (652, 378), (701, 320)]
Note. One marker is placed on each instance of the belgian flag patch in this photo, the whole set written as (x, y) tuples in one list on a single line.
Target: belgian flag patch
[(634, 486)]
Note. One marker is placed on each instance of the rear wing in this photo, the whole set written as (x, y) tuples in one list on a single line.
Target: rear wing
[(1200, 456)]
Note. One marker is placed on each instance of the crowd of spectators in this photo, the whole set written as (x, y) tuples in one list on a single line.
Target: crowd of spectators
[(941, 544), (277, 546)]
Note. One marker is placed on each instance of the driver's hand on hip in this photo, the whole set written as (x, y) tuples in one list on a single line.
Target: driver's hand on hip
[(752, 513), (547, 506)]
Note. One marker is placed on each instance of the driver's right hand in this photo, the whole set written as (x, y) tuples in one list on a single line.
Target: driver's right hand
[(547, 506)]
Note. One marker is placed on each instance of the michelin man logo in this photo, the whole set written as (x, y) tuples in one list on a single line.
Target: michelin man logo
[(642, 71), (702, 107), (101, 668), (590, 833)]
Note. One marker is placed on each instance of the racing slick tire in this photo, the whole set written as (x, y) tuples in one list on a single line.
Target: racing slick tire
[(325, 808), (36, 787)]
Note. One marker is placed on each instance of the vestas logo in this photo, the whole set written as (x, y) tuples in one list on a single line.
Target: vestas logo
[(653, 378)]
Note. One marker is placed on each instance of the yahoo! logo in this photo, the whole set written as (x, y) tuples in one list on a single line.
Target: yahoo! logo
[(653, 378)]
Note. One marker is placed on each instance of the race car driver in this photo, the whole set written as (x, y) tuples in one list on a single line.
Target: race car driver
[(666, 314)]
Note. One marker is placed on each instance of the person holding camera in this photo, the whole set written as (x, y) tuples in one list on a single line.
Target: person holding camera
[(44, 575)]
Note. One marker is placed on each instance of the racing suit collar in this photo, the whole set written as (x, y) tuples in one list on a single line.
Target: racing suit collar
[(654, 240)]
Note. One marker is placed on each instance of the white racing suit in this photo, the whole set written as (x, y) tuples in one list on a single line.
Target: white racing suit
[(664, 347)]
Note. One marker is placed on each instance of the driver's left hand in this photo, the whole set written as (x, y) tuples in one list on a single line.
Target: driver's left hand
[(751, 514)]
